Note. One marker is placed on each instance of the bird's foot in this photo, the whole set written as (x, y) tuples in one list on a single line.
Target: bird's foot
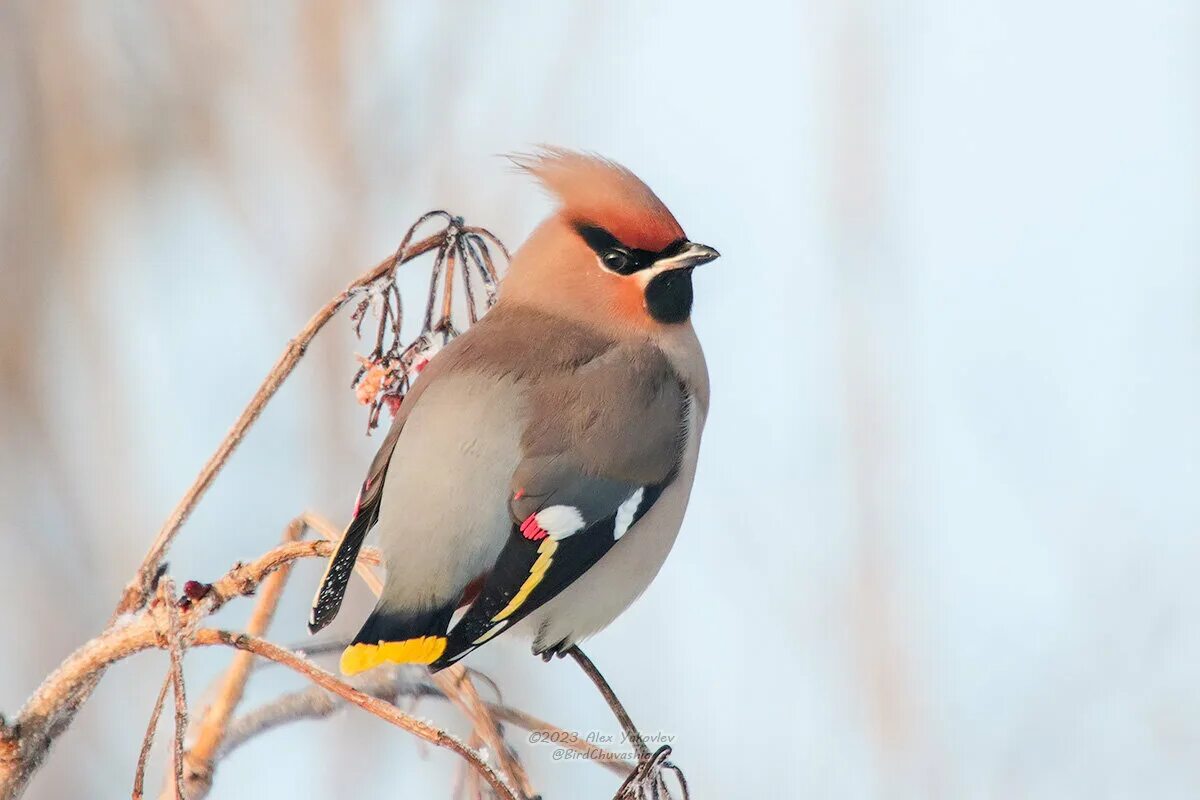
[(648, 781)]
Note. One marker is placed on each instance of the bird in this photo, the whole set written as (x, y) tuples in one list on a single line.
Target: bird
[(536, 475)]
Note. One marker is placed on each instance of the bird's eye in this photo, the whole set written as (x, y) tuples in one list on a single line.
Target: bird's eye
[(616, 260)]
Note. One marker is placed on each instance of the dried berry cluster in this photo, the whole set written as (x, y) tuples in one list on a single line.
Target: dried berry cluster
[(463, 256)]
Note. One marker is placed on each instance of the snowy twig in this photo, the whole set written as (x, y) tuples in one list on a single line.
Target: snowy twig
[(648, 775), (175, 647), (454, 683), (139, 775), (58, 698), (200, 759), (383, 710), (138, 590), (149, 616), (389, 683), (463, 256), (561, 738), (610, 697), (386, 683)]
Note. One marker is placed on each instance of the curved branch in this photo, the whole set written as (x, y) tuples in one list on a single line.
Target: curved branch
[(138, 590), (314, 702), (211, 728), (139, 775), (23, 744), (137, 622), (384, 710), (388, 684)]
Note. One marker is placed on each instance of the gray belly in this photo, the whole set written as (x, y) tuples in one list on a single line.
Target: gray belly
[(444, 513), (600, 595)]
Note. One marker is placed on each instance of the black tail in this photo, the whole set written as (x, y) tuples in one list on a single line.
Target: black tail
[(386, 625), (393, 637)]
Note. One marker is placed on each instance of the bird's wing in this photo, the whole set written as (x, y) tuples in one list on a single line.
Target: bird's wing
[(332, 587), (599, 448)]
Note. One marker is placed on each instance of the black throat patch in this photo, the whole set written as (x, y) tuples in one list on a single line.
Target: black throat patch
[(669, 296)]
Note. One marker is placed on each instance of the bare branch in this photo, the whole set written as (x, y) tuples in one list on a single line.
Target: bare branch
[(149, 615), (389, 683), (54, 703), (454, 682), (456, 685), (152, 627), (139, 776), (175, 646), (386, 683), (562, 738), (199, 760), (139, 588), (649, 772), (21, 752), (610, 697), (383, 710)]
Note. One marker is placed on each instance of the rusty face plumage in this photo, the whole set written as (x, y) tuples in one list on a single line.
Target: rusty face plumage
[(613, 254), (596, 191)]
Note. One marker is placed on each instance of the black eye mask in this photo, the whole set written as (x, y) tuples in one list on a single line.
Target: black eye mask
[(618, 258)]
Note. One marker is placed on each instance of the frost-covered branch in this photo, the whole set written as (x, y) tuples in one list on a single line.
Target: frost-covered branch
[(150, 616), (198, 762)]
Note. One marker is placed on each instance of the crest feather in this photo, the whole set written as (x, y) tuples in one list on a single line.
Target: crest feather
[(598, 191)]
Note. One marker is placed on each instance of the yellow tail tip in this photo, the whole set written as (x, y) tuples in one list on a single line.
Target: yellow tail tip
[(422, 650)]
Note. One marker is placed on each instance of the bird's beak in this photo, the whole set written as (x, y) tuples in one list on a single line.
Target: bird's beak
[(692, 255)]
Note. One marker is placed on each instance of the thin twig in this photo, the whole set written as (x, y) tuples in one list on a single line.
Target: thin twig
[(610, 697), (52, 707), (200, 759), (456, 685), (54, 703), (562, 738), (388, 683), (175, 646), (453, 682), (381, 709), (314, 702), (151, 628), (683, 784), (139, 777), (138, 589)]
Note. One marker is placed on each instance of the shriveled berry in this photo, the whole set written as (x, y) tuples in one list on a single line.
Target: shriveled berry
[(195, 590)]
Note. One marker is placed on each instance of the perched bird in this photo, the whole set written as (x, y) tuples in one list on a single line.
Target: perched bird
[(538, 471)]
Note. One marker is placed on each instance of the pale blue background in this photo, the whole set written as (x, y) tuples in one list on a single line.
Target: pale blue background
[(943, 541)]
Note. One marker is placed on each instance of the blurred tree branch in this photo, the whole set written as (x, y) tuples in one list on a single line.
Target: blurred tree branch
[(198, 761), (139, 588)]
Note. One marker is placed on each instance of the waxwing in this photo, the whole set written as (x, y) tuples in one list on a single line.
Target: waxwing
[(538, 471)]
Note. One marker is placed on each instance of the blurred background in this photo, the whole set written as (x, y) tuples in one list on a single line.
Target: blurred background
[(943, 540)]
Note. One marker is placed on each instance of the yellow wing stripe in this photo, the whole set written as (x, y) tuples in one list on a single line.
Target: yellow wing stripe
[(536, 573), (421, 650)]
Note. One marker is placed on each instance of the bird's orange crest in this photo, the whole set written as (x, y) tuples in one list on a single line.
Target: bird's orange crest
[(600, 192)]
